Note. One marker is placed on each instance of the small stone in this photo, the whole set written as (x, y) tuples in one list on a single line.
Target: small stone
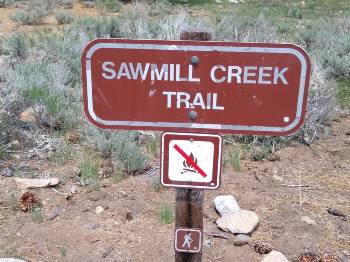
[(99, 210), (277, 178), (308, 220), (208, 243), (7, 172), (74, 172), (226, 204), (93, 226), (242, 222), (106, 183), (26, 183), (55, 213), (335, 212), (275, 256), (241, 240)]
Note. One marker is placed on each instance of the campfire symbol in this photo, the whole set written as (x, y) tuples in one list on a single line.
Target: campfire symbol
[(188, 166)]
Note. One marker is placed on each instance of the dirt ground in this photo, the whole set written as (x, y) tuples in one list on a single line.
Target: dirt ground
[(269, 188), (79, 234)]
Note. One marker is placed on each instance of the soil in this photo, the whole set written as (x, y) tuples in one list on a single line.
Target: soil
[(129, 229)]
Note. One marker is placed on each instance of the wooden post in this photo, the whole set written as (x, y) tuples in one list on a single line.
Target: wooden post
[(189, 202)]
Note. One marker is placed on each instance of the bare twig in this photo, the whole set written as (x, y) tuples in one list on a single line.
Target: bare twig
[(297, 185), (218, 235), (61, 193)]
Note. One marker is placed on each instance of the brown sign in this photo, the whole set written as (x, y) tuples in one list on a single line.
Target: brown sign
[(188, 240), (216, 87), (191, 160)]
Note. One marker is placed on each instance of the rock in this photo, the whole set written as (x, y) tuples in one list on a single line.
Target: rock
[(226, 204), (30, 115), (275, 256), (26, 183), (7, 172), (99, 210), (335, 212), (93, 226), (241, 240), (261, 247), (308, 220), (105, 183), (208, 243), (242, 222), (12, 260), (55, 213), (347, 133)]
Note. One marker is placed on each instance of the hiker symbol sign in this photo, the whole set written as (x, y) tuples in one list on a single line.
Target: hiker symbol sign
[(191, 160)]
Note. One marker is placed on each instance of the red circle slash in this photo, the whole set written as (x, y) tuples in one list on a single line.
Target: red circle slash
[(189, 160)]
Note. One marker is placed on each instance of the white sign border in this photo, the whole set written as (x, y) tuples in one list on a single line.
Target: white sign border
[(190, 186), (192, 230), (238, 49)]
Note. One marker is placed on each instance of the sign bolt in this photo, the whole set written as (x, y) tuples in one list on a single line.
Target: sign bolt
[(194, 60), (192, 115)]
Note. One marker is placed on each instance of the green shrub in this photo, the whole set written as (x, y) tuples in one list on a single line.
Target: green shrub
[(343, 93), (122, 145), (6, 3), (106, 27), (37, 214), (166, 214), (295, 12), (32, 17), (235, 154), (64, 17), (89, 171), (110, 5), (16, 46)]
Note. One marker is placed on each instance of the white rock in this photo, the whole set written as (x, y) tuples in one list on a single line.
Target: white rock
[(242, 222), (11, 260), (25, 183), (226, 204), (275, 256), (308, 220), (99, 210)]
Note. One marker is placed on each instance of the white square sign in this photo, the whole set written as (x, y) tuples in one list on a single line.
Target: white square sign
[(191, 160)]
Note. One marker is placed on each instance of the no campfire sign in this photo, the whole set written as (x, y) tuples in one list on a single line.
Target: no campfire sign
[(191, 160), (193, 86)]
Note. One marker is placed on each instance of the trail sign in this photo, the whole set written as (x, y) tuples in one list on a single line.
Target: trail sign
[(195, 86), (191, 160), (188, 240)]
